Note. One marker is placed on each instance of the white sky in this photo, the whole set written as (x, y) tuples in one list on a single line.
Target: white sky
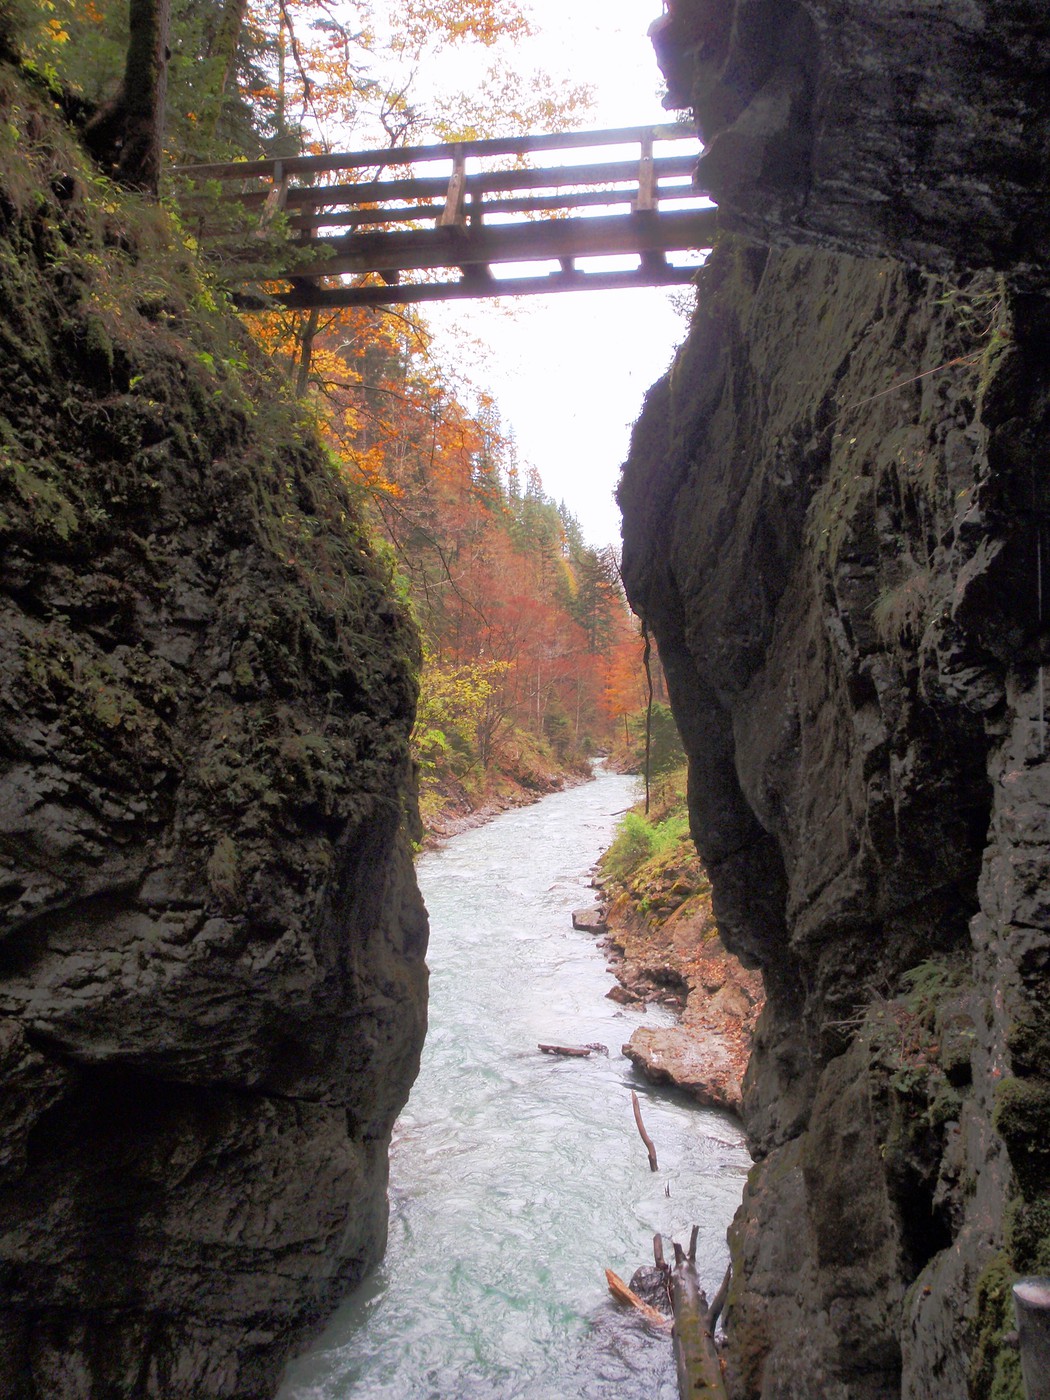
[(569, 371)]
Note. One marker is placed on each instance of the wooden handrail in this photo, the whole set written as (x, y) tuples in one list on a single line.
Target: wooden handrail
[(527, 204), (481, 182), (413, 155)]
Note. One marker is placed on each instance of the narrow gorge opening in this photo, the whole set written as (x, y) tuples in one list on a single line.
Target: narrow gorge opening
[(288, 581)]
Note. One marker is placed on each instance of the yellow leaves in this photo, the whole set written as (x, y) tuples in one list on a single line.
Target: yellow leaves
[(508, 100), (56, 33), (452, 701), (455, 21)]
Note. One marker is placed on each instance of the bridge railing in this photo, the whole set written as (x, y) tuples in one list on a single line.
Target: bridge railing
[(453, 212)]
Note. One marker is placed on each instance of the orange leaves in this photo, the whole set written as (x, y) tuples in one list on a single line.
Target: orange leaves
[(520, 617)]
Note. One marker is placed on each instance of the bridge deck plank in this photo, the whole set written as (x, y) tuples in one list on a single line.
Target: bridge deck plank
[(330, 298), (419, 249)]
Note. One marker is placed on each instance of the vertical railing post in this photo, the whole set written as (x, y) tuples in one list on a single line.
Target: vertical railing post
[(452, 214), (1032, 1307), (276, 196), (646, 196)]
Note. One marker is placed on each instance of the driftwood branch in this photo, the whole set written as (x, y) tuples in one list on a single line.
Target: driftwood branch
[(623, 1294), (714, 1312), (579, 1051), (653, 1166)]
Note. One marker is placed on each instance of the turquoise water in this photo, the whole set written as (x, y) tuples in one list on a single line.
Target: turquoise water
[(518, 1178)]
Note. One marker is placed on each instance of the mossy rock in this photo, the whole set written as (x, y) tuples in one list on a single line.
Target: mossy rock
[(995, 1366), (1022, 1119), (1028, 1041), (1028, 1233)]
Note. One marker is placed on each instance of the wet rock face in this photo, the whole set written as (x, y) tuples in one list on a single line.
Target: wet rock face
[(835, 519), (919, 131), (212, 987)]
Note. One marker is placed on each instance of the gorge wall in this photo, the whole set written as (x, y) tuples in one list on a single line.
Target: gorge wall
[(835, 524), (212, 987)]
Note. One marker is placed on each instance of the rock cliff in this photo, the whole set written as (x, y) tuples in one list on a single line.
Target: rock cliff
[(212, 987), (835, 522)]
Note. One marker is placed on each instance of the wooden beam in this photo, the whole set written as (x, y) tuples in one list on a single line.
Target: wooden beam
[(533, 203), (519, 242), (275, 199), (411, 155), (646, 196), (480, 183), (331, 298), (451, 215)]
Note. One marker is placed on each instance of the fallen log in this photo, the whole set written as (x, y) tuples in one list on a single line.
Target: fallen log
[(653, 1166), (696, 1356), (623, 1294), (580, 1051)]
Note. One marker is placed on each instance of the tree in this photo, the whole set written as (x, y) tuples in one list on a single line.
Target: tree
[(598, 595), (145, 94), (126, 135)]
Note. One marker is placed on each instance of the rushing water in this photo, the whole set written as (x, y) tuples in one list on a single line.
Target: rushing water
[(517, 1178)]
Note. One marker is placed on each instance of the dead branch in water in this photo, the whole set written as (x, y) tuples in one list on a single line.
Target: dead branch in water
[(643, 1134)]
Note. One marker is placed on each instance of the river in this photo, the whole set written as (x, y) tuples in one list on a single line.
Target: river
[(517, 1178)]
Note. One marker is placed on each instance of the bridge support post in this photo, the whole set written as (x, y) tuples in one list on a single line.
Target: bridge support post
[(1032, 1306)]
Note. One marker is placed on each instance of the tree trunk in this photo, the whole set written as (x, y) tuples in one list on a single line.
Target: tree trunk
[(145, 93), (306, 350), (227, 37), (222, 56), (696, 1358)]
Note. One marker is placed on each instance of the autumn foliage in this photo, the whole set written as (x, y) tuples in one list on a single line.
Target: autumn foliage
[(532, 658)]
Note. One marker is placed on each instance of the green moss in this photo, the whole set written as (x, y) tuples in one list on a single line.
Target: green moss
[(115, 722), (995, 1368), (1028, 1234), (43, 502), (1022, 1118), (945, 1104), (98, 345), (1028, 1041)]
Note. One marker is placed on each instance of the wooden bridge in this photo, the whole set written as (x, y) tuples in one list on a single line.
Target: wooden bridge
[(450, 218)]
